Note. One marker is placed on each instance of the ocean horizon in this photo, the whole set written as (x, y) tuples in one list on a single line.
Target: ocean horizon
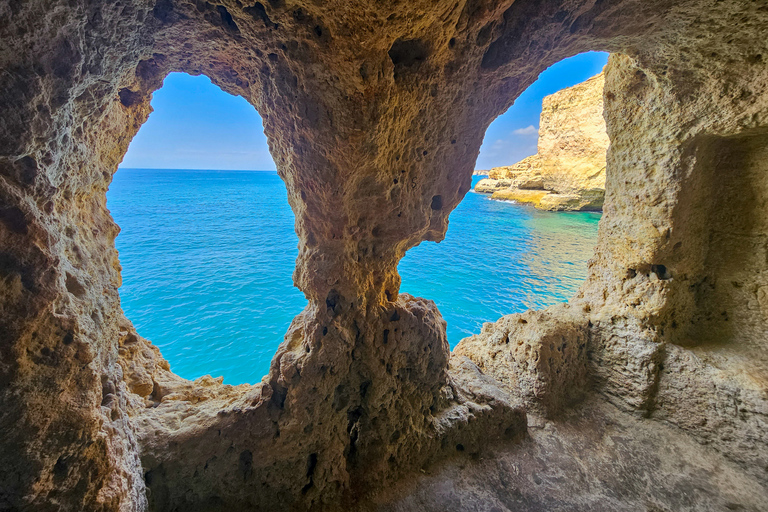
[(208, 257)]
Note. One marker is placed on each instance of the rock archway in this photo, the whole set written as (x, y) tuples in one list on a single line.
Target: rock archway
[(375, 115)]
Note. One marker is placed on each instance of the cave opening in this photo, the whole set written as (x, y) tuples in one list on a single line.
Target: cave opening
[(356, 409), (207, 243), (504, 252)]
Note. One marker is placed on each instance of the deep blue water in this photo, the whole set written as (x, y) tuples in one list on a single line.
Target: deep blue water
[(208, 256)]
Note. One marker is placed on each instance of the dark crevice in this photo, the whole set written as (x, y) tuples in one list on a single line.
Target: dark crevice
[(332, 303), (227, 20), (245, 464), (661, 272), (311, 465), (128, 97), (60, 469), (408, 54), (259, 12), (279, 394), (353, 429)]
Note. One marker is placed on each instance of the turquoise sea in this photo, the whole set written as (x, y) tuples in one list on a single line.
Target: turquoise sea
[(207, 260)]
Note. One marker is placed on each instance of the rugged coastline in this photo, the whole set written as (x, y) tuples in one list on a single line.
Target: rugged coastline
[(568, 171)]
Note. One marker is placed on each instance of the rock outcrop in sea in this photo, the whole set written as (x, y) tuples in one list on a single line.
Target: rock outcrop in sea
[(568, 171)]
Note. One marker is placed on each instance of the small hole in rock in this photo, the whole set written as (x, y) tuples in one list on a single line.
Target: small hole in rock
[(74, 287), (128, 97), (407, 53), (661, 272)]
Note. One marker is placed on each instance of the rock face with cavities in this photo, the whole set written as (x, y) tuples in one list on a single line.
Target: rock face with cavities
[(374, 115), (568, 171)]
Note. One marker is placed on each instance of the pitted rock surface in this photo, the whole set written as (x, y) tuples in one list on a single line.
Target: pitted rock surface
[(375, 114)]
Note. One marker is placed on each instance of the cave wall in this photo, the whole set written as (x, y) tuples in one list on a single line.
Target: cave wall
[(674, 292), (374, 115)]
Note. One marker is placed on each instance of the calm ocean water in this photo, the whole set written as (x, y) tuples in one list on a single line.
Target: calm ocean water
[(207, 260)]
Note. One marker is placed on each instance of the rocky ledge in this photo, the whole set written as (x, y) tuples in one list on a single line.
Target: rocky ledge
[(568, 172)]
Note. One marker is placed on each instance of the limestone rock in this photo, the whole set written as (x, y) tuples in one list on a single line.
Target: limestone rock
[(489, 186), (593, 458), (520, 196), (569, 168), (539, 355), (375, 114)]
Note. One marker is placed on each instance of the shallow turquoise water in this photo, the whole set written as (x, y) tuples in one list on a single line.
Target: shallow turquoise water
[(208, 256)]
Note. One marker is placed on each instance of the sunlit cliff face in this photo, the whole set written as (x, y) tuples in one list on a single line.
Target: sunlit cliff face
[(374, 115)]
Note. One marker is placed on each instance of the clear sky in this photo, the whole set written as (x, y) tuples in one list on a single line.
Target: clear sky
[(196, 125), (513, 135)]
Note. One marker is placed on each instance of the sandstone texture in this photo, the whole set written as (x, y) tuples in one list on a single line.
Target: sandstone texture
[(375, 114), (568, 171), (540, 356), (596, 458)]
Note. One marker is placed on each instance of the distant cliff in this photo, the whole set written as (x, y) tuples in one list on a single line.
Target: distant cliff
[(568, 172)]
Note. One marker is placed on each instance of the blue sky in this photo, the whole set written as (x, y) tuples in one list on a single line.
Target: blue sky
[(196, 125)]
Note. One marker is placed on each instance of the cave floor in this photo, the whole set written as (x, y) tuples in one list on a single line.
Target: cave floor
[(596, 458)]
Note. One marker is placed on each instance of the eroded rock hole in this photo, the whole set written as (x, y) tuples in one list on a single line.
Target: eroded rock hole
[(74, 287), (128, 97), (227, 20), (207, 255), (535, 226), (259, 12), (332, 302), (311, 465), (61, 468), (661, 272), (408, 53)]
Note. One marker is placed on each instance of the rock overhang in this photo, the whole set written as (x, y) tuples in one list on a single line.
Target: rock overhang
[(371, 114)]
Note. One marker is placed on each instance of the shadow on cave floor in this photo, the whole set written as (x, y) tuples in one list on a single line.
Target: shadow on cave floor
[(596, 458)]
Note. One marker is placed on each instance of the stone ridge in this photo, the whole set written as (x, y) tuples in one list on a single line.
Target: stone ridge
[(568, 171)]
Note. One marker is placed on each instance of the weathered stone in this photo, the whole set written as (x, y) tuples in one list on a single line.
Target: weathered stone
[(684, 270), (375, 116), (534, 197), (539, 355), (568, 171), (594, 458)]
